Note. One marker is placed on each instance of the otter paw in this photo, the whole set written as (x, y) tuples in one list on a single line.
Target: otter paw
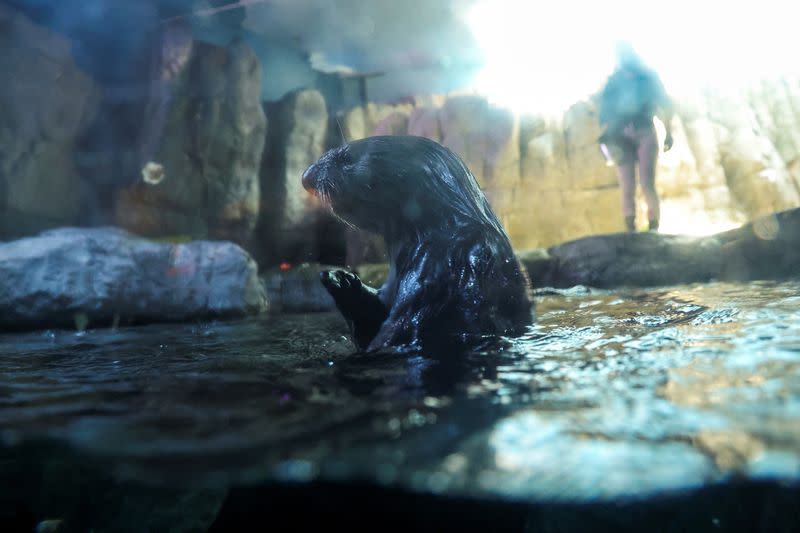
[(340, 280)]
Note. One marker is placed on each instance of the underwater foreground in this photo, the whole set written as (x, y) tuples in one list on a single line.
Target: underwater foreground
[(631, 395)]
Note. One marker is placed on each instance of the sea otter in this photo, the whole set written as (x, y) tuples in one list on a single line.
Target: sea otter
[(453, 275)]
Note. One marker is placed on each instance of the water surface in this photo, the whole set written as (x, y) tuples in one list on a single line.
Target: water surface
[(609, 394)]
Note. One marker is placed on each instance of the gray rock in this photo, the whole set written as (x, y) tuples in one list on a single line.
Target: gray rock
[(764, 249), (288, 214), (209, 151), (46, 102), (486, 138), (79, 277), (298, 290), (424, 122)]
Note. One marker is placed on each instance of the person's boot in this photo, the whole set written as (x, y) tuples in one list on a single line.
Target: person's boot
[(630, 224), (654, 225)]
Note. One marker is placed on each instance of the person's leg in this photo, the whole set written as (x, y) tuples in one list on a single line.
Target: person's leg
[(626, 170), (648, 157)]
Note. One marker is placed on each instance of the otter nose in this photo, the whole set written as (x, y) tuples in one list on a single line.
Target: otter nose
[(310, 178)]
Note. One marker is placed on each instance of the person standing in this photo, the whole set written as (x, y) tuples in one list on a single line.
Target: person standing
[(632, 96)]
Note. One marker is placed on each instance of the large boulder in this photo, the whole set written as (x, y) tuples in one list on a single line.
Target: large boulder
[(776, 104), (298, 289), (375, 119), (757, 176), (486, 137), (79, 276), (424, 122), (767, 248), (46, 103), (289, 215), (587, 168), (691, 179), (209, 152), (566, 190), (544, 161), (394, 124)]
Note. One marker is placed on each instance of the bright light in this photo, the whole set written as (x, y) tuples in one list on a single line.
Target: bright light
[(679, 218), (544, 56)]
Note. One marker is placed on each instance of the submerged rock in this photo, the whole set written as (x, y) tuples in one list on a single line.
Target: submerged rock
[(764, 249), (76, 277)]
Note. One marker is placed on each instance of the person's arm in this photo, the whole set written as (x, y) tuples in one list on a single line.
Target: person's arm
[(667, 111)]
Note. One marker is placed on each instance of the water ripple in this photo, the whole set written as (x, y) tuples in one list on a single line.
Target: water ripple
[(608, 393)]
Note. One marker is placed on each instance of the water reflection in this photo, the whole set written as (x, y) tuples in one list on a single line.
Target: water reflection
[(608, 394)]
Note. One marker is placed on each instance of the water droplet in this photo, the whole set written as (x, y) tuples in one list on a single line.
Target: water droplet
[(394, 425)]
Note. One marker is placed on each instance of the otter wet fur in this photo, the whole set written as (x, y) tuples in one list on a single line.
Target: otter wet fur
[(453, 275)]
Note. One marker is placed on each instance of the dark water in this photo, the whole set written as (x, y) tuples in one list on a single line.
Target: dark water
[(611, 393)]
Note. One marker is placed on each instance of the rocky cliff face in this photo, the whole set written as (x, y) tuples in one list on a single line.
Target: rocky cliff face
[(736, 157), (171, 151), (46, 103), (193, 165), (289, 216), (209, 152)]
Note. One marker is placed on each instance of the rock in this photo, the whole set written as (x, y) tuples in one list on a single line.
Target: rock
[(486, 138), (587, 167), (210, 151), (776, 105), (764, 249), (732, 161), (544, 162), (756, 175), (289, 216), (77, 276), (298, 289), (641, 259), (424, 122), (300, 131), (395, 123), (46, 102), (698, 192), (565, 190), (364, 121)]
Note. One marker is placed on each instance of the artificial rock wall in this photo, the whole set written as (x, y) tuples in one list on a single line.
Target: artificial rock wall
[(735, 157), (221, 173)]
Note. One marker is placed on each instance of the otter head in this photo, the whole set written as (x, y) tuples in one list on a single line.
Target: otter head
[(397, 183)]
